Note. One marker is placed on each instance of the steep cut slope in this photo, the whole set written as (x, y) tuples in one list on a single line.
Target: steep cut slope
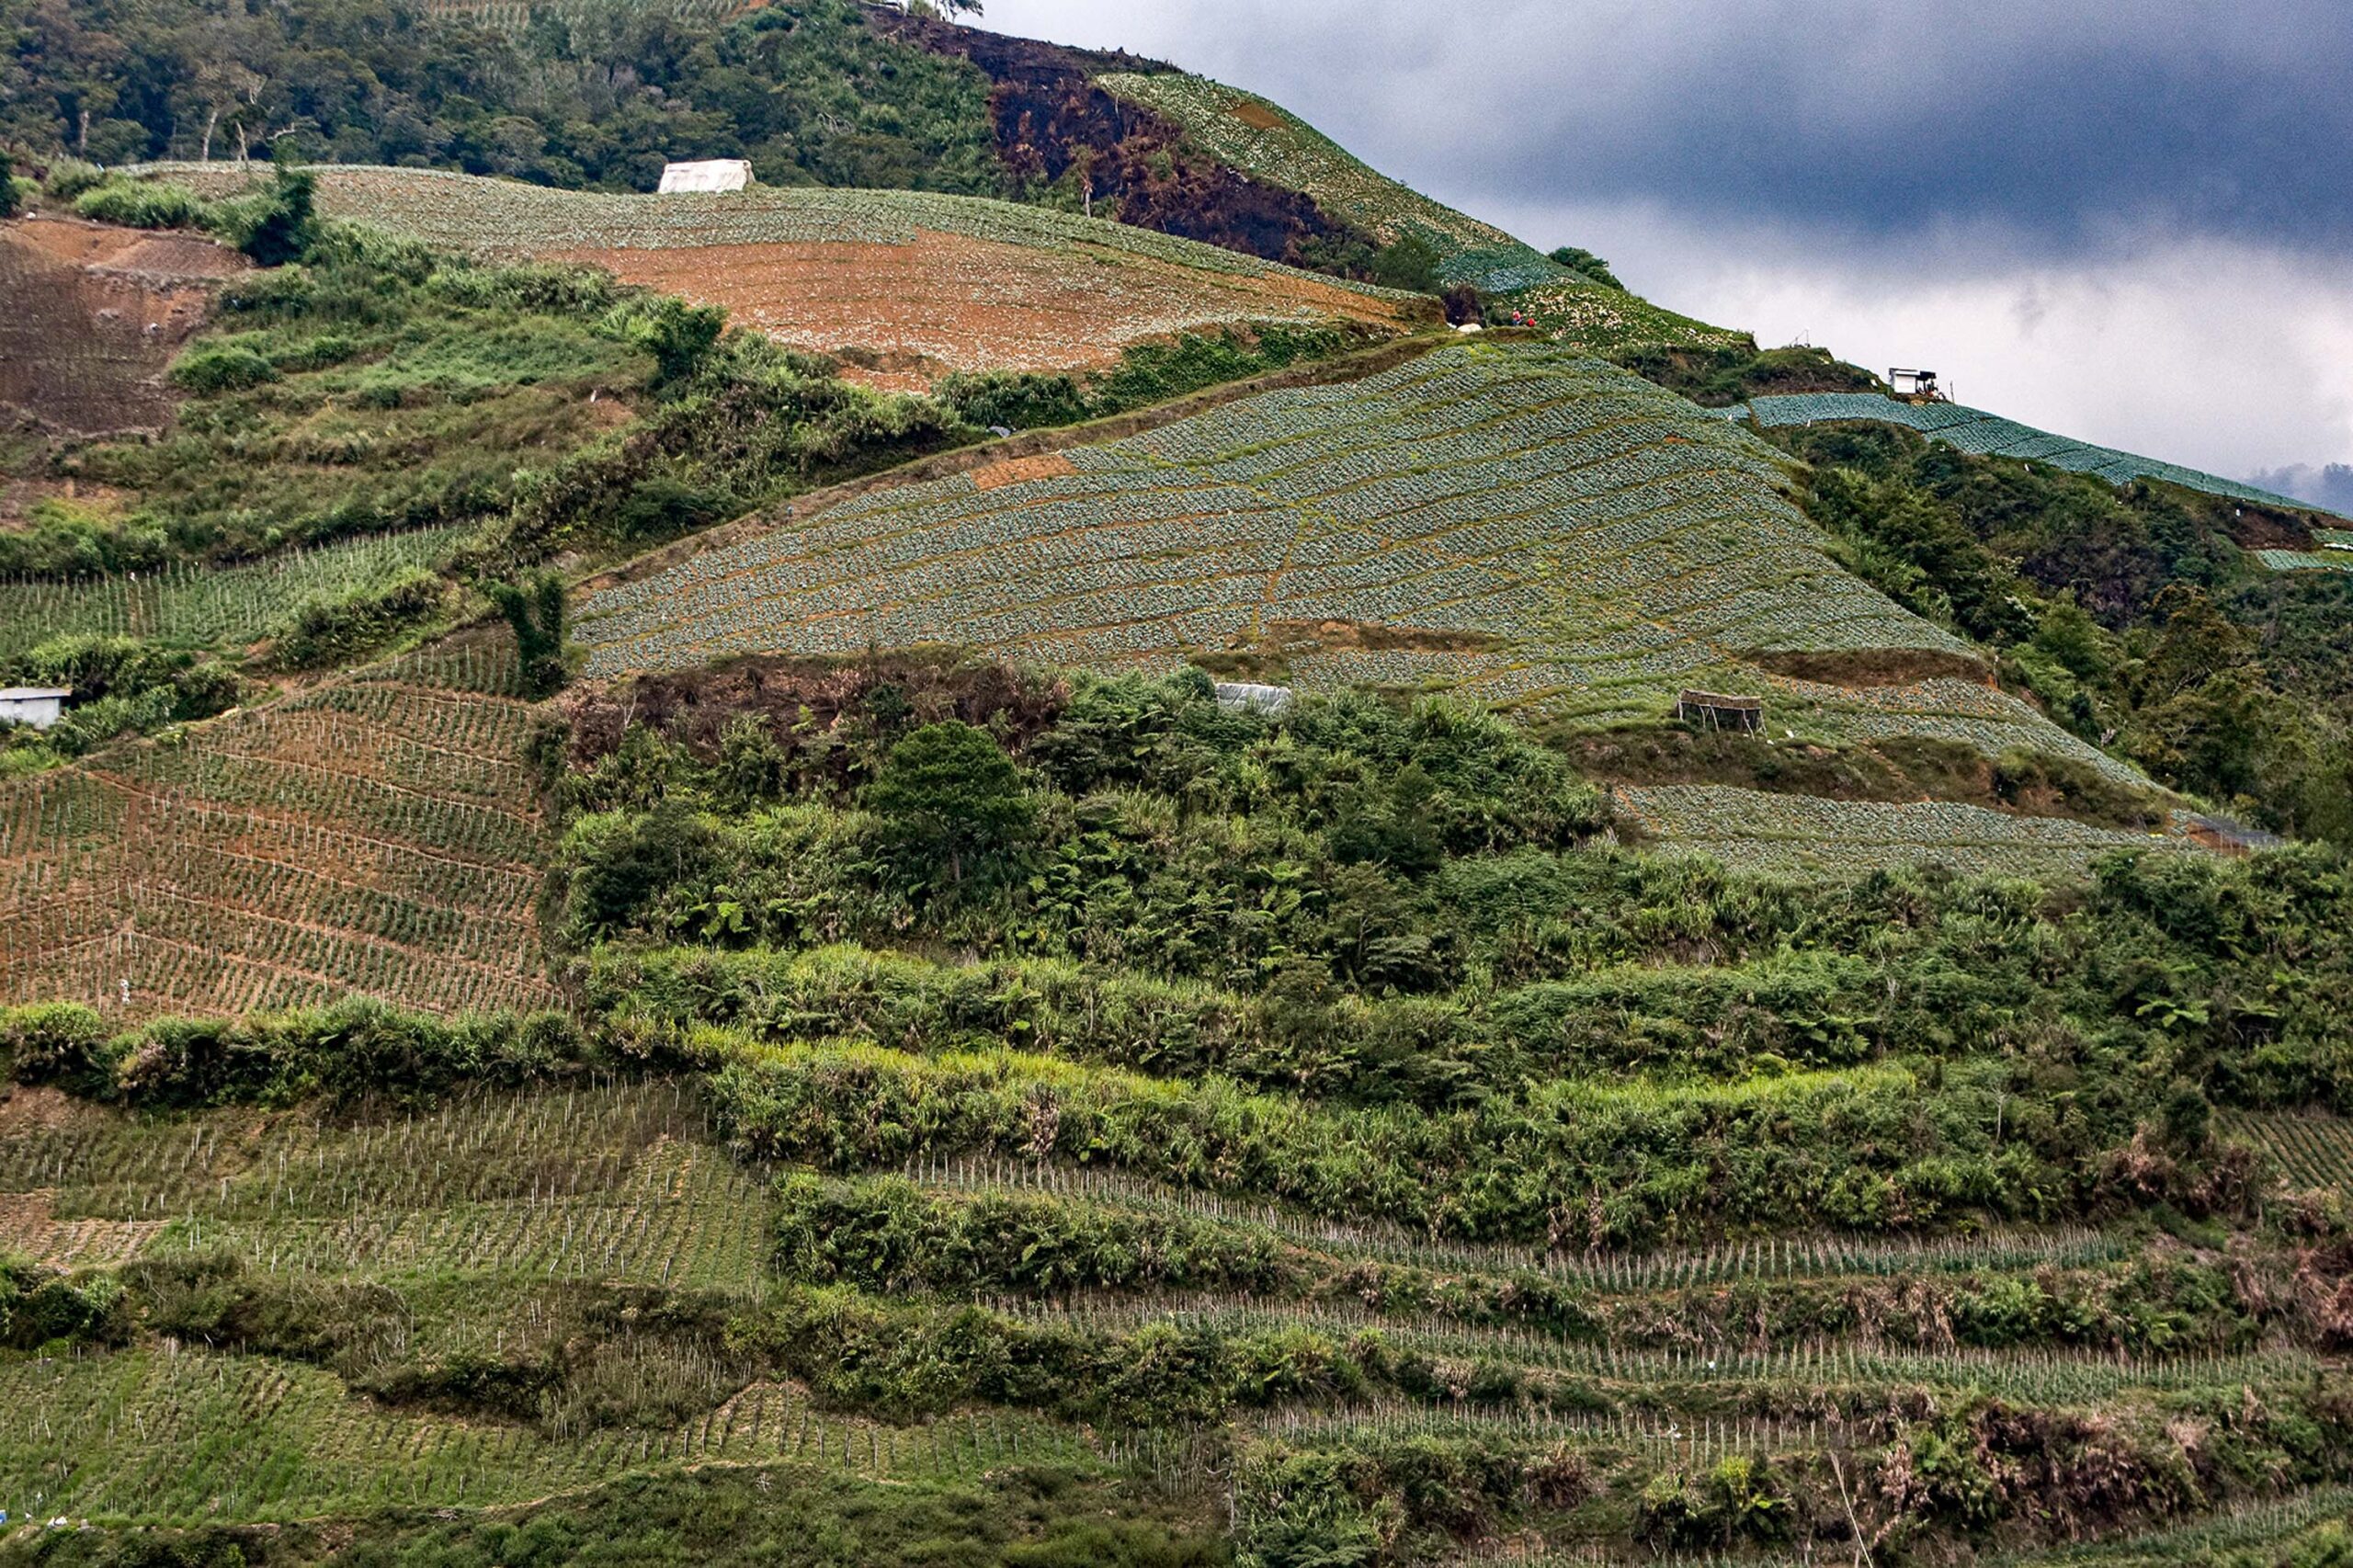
[(1514, 524), (373, 838), (1276, 145), (900, 282), (91, 315)]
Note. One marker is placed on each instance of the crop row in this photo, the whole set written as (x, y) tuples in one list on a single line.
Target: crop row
[(1982, 434), (208, 605), (149, 1437), (2038, 1376), (372, 838), (2335, 560), (1769, 1257), (1620, 542), (1808, 834), (2310, 1150)]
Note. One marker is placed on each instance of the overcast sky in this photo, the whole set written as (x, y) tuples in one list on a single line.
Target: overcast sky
[(2130, 221)]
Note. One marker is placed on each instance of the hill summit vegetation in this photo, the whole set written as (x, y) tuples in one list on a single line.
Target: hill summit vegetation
[(1053, 882)]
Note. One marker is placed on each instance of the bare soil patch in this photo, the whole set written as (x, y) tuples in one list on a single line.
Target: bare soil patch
[(90, 316), (1858, 667), (1020, 471), (1367, 634), (901, 315)]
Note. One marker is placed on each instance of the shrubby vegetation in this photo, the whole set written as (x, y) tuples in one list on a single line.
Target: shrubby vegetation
[(354, 1051), (121, 685), (2130, 613)]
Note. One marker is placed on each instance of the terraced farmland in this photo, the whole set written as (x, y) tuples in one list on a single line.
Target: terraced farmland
[(1806, 836), (208, 606), (913, 284), (1974, 431), (368, 837), (1527, 528)]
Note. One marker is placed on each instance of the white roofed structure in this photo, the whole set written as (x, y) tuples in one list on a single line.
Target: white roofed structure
[(712, 174), (36, 705)]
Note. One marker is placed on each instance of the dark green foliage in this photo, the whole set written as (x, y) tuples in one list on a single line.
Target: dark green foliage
[(352, 1053), (2109, 606), (947, 798), (534, 610), (1146, 374), (1584, 263), (331, 633), (9, 200), (1409, 262), (1730, 374), (121, 685), (679, 335), (275, 225), (40, 1308), (809, 94), (221, 368)]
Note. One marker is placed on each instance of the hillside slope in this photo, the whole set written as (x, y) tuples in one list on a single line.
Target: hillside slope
[(1512, 524), (903, 286), (1976, 431), (375, 838)]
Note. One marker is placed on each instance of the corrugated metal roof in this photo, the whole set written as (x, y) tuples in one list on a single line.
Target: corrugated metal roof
[(33, 693)]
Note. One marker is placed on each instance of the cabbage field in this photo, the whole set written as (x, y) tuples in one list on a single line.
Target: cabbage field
[(1531, 528), (211, 607), (1807, 835)]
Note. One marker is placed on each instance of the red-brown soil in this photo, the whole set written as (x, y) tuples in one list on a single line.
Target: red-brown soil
[(906, 314), (90, 316)]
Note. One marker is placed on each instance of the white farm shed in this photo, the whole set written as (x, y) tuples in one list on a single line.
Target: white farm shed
[(712, 174), (36, 705)]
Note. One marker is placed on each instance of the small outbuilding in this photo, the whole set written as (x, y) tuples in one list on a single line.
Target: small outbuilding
[(1720, 711), (36, 705), (711, 175), (1917, 386)]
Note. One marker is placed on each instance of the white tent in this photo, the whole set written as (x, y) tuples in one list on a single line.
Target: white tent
[(713, 173)]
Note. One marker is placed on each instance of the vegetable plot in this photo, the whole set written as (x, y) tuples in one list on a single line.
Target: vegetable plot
[(1806, 834), (208, 606), (373, 838), (1527, 527)]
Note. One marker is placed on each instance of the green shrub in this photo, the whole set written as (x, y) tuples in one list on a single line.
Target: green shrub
[(57, 1042), (336, 632), (948, 797), (209, 368), (141, 205), (11, 198), (68, 178)]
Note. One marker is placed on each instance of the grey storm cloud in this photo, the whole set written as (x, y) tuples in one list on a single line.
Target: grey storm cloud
[(2066, 122)]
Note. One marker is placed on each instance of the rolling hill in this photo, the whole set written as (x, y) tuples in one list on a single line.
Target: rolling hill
[(636, 952), (1002, 287)]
